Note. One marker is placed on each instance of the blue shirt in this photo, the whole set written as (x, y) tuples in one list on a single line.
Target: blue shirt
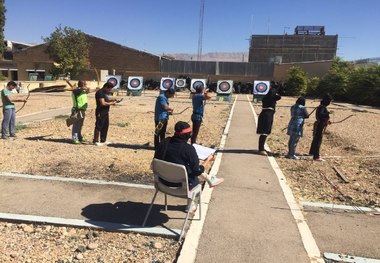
[(198, 107), (298, 113), (159, 113)]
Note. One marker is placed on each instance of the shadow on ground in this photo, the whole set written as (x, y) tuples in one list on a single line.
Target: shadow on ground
[(129, 213)]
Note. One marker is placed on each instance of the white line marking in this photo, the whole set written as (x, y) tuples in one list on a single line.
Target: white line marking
[(307, 237), (189, 249), (74, 180), (90, 223), (336, 206)]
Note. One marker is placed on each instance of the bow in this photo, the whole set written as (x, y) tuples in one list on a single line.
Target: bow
[(343, 119), (27, 97), (178, 113), (97, 76)]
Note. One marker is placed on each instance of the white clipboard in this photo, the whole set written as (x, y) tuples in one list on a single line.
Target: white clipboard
[(202, 151)]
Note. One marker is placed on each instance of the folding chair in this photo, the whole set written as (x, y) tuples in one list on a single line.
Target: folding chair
[(174, 173)]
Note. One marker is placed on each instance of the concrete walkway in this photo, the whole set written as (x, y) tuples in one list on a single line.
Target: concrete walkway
[(248, 219)]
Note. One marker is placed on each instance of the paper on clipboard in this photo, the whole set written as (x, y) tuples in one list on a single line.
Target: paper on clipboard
[(202, 151)]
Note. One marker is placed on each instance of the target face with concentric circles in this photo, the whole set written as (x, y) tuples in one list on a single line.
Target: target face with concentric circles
[(224, 86), (113, 81), (196, 83), (180, 82), (261, 88), (134, 83), (167, 83)]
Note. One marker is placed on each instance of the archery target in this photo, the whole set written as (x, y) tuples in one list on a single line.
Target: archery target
[(180, 83), (167, 83), (135, 83), (261, 87), (224, 86), (195, 82), (114, 80)]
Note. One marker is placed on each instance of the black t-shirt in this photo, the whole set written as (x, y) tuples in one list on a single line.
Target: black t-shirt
[(178, 151), (101, 94)]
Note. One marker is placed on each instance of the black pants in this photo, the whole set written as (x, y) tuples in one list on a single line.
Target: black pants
[(317, 141), (160, 136), (196, 128), (101, 127), (262, 140)]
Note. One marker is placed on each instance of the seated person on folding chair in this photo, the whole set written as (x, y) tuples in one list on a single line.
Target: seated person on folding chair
[(176, 150)]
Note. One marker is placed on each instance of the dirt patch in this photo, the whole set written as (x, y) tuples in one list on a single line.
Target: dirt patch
[(45, 148), (351, 146)]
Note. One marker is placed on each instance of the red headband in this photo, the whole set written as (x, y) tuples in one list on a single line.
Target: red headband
[(187, 130)]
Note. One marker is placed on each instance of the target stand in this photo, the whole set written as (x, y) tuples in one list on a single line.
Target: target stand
[(260, 89), (167, 83), (135, 86), (224, 90)]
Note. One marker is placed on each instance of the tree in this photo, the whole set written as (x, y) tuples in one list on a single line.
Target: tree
[(296, 81), (69, 49), (2, 24), (337, 80)]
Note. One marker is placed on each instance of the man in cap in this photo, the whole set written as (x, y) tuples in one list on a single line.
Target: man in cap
[(9, 111), (176, 150), (198, 109), (162, 111)]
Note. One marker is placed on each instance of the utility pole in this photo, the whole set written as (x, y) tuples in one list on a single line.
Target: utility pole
[(200, 32)]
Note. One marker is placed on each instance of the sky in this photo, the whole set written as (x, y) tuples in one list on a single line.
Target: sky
[(172, 26)]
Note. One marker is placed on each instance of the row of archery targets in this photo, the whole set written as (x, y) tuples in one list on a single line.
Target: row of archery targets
[(224, 89)]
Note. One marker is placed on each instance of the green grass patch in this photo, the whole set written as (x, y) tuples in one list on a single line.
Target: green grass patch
[(20, 127), (121, 124), (59, 117)]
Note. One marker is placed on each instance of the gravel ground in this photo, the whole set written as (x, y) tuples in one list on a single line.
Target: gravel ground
[(45, 243), (351, 146), (45, 148)]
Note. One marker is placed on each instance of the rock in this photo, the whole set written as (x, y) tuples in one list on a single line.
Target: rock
[(129, 247), (81, 249), (27, 229), (92, 246), (72, 232), (79, 256), (157, 245), (90, 235)]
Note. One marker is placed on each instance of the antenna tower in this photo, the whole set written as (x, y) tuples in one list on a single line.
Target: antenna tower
[(200, 32)]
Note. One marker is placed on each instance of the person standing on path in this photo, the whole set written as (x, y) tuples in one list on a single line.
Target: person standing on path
[(103, 103), (323, 119), (162, 111), (9, 111), (265, 120), (198, 109), (80, 104), (295, 128)]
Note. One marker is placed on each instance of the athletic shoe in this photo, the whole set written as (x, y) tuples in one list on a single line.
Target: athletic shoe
[(319, 159), (107, 142), (263, 153), (76, 141), (215, 181), (100, 143), (4, 138), (294, 157)]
